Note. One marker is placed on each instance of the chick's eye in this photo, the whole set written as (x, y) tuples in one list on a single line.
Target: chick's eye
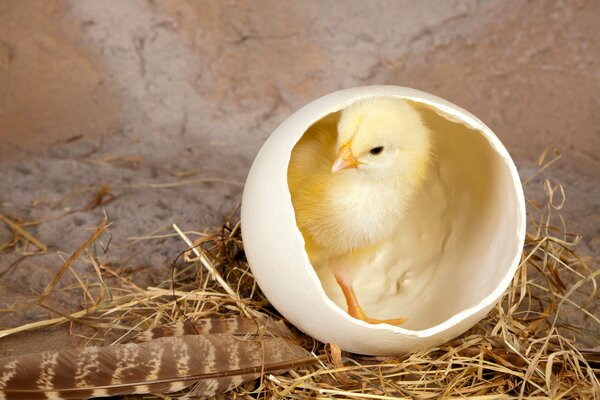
[(376, 150)]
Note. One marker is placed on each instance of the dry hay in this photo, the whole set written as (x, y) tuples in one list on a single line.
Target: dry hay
[(524, 348)]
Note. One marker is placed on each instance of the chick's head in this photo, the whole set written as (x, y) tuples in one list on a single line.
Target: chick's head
[(383, 137)]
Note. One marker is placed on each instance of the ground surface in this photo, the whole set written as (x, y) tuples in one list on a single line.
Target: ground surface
[(133, 93)]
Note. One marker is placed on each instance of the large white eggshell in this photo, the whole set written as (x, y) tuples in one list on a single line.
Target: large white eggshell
[(449, 263)]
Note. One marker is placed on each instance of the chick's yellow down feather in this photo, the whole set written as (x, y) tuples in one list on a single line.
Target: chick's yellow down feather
[(351, 181)]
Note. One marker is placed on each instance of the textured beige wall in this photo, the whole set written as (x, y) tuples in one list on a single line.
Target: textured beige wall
[(51, 80)]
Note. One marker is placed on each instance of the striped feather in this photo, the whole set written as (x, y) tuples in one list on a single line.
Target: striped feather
[(237, 326), (209, 363)]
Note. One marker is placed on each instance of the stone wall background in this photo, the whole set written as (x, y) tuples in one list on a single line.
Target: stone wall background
[(137, 92)]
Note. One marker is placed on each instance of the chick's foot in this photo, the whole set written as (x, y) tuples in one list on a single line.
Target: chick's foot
[(355, 310)]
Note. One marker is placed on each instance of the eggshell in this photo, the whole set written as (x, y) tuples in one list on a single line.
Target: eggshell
[(445, 268)]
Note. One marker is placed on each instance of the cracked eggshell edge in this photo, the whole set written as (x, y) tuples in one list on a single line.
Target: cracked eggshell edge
[(275, 247)]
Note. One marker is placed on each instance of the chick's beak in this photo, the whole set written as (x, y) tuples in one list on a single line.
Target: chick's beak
[(345, 159)]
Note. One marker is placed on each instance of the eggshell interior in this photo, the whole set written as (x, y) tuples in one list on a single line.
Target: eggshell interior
[(451, 240), (451, 258)]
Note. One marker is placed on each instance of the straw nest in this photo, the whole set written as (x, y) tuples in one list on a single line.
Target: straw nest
[(524, 348)]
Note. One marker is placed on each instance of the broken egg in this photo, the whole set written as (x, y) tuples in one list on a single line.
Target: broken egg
[(445, 267)]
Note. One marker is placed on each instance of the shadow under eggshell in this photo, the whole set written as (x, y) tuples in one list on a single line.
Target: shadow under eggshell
[(450, 261)]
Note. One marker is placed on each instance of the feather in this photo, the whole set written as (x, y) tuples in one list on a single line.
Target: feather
[(210, 363), (232, 325)]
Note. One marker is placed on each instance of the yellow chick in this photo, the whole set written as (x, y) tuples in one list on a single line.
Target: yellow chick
[(351, 183)]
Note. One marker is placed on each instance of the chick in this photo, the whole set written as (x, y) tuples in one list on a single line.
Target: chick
[(351, 183)]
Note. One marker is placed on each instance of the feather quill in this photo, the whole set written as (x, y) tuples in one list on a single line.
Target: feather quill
[(212, 362)]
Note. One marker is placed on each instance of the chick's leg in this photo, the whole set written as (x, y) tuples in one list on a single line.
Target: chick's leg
[(344, 278)]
